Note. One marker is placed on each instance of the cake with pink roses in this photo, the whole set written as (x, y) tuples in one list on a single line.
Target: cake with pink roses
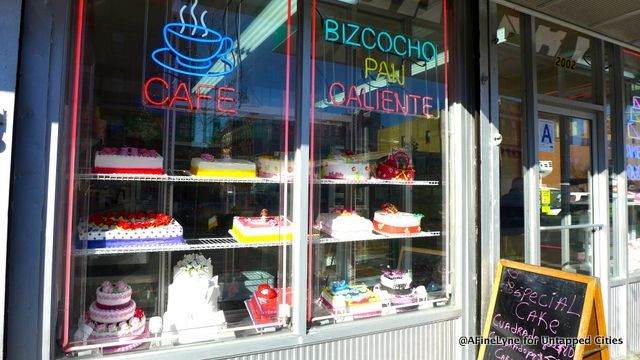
[(128, 160), (114, 317)]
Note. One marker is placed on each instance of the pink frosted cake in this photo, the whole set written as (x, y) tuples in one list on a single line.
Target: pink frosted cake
[(261, 229), (114, 317), (345, 166), (126, 160)]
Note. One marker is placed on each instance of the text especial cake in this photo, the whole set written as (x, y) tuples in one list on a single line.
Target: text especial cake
[(390, 221), (397, 166), (356, 300), (264, 304), (192, 309), (264, 228), (128, 160), (273, 167), (345, 166), (207, 165), (114, 229), (344, 224), (114, 317)]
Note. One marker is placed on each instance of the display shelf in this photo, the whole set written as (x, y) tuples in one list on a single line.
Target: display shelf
[(185, 177), (373, 181), (327, 316), (325, 239), (190, 245)]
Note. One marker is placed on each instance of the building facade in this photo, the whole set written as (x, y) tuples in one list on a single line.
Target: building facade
[(306, 179)]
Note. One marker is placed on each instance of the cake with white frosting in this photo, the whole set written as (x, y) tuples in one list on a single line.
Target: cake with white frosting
[(390, 221), (344, 224), (192, 309)]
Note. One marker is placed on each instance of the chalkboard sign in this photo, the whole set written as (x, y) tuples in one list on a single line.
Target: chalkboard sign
[(541, 313)]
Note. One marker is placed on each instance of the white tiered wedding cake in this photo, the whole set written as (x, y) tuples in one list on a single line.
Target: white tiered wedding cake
[(192, 310)]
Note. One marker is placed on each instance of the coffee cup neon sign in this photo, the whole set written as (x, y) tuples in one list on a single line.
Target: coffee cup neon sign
[(192, 49)]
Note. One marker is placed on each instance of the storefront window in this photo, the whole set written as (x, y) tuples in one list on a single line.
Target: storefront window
[(179, 174), (378, 158), (509, 49), (563, 62), (632, 155)]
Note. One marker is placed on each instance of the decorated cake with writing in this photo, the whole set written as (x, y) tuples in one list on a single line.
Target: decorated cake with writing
[(115, 229), (390, 221), (345, 166), (113, 317), (274, 167), (128, 160), (397, 166), (207, 165), (192, 309), (356, 300), (344, 224), (264, 228)]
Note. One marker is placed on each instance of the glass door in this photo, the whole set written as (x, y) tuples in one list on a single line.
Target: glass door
[(565, 153)]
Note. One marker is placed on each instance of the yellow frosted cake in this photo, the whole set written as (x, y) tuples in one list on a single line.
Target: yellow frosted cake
[(261, 229), (207, 165)]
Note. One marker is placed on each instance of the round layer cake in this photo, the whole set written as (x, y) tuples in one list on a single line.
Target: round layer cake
[(391, 221), (113, 294), (111, 314), (121, 331)]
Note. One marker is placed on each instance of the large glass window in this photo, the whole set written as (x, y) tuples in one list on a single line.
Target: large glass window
[(632, 155), (179, 176), (378, 150)]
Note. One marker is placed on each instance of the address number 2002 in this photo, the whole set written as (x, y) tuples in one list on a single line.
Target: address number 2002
[(566, 63)]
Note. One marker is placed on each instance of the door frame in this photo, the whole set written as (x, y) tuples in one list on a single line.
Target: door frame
[(489, 152)]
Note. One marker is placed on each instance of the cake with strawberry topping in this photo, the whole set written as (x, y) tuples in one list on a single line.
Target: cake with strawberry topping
[(113, 317), (128, 160), (346, 166), (115, 229), (397, 166), (390, 221), (344, 224)]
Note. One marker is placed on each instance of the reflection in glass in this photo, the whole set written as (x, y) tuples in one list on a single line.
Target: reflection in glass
[(563, 62), (632, 155)]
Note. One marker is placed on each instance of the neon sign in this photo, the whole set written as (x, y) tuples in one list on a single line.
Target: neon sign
[(366, 37), (201, 47), (181, 95), (389, 101)]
